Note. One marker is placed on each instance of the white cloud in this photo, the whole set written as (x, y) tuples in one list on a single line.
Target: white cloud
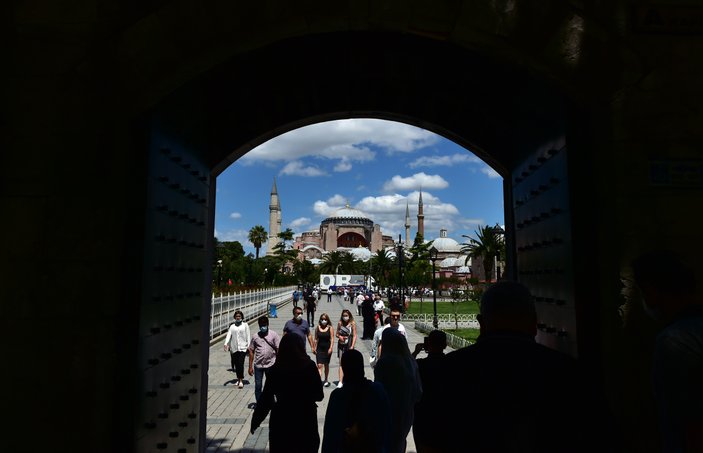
[(233, 235), (344, 140), (296, 168), (235, 215), (299, 222), (491, 173), (444, 161), (416, 181), (343, 165)]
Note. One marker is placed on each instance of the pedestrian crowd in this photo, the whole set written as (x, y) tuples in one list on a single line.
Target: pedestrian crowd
[(516, 395)]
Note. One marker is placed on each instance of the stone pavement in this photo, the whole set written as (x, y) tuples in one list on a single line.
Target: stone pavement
[(228, 412)]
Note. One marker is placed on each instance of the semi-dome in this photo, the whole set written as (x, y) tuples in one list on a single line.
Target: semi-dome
[(359, 253), (448, 262), (463, 270)]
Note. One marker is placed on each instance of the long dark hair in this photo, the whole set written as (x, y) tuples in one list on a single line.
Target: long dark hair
[(291, 352)]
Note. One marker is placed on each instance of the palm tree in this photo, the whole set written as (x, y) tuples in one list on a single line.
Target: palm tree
[(381, 265), (332, 261), (257, 236), (488, 245)]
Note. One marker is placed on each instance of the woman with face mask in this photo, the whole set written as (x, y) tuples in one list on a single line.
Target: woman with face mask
[(324, 340), (346, 338), (237, 343)]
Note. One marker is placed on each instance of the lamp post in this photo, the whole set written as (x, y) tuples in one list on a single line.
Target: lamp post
[(497, 230), (434, 256), (401, 290), (219, 273)]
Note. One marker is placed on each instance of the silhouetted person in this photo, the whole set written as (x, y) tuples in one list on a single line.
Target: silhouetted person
[(292, 387), (428, 420), (668, 289), (397, 371), (310, 299), (369, 316), (519, 396), (358, 415)]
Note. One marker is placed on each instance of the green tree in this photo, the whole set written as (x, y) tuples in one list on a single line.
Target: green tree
[(488, 245), (381, 264), (331, 261), (306, 273), (257, 236), (282, 251)]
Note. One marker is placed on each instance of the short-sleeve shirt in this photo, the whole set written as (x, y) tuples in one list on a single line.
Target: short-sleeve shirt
[(264, 353), (302, 329)]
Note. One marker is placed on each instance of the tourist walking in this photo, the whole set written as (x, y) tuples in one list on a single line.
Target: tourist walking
[(369, 317), (237, 343), (262, 354), (378, 307), (324, 341), (310, 305), (298, 326), (346, 338), (397, 371), (292, 388), (427, 422), (527, 397), (358, 415)]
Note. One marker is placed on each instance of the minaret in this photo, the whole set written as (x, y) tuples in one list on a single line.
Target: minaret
[(407, 224), (420, 217), (274, 219)]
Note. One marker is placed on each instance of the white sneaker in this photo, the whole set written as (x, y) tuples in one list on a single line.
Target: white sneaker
[(372, 359), (339, 386)]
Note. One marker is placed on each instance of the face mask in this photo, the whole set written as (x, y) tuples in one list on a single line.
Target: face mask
[(264, 329), (299, 317), (237, 321), (323, 322), (345, 318)]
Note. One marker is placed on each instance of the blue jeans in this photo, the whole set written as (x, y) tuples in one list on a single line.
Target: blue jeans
[(259, 381)]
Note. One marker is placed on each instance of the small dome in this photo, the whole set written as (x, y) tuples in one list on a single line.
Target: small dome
[(446, 244), (463, 270)]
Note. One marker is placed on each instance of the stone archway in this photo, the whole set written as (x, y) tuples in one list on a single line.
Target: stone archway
[(526, 88)]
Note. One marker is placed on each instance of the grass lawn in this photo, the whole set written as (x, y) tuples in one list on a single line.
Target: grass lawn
[(465, 307), (467, 334)]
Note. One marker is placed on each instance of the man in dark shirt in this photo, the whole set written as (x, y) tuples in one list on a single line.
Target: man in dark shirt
[(519, 395), (298, 326)]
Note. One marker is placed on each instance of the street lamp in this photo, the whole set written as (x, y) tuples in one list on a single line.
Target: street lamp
[(434, 256), (400, 256), (219, 273), (497, 230)]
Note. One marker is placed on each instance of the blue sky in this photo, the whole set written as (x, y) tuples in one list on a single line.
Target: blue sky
[(374, 165)]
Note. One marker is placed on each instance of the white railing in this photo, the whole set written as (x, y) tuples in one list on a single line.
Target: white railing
[(445, 321), (252, 304), (453, 341)]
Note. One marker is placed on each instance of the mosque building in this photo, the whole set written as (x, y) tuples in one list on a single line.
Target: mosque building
[(350, 230)]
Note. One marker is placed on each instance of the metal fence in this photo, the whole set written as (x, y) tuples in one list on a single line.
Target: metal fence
[(445, 321), (453, 341), (252, 304)]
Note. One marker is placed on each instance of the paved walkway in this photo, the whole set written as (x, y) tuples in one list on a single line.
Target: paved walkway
[(228, 415)]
